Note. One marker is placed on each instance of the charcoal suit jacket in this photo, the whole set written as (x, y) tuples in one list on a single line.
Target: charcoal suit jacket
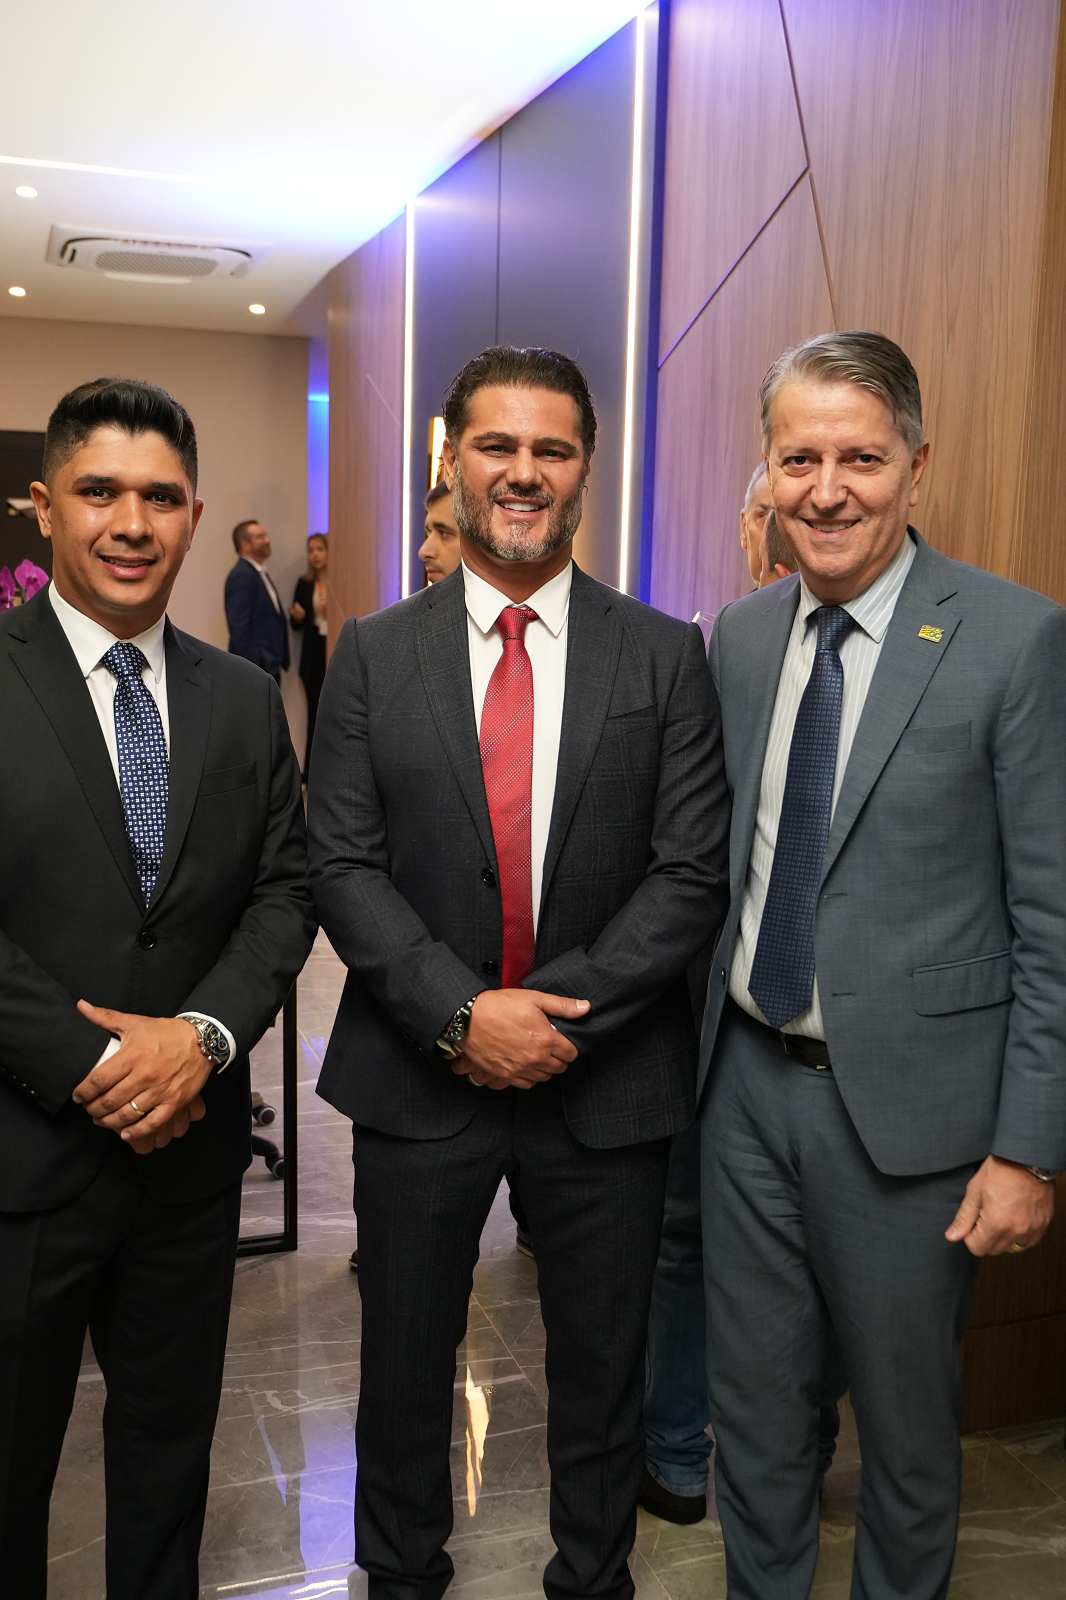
[(226, 931), (940, 926), (403, 867)]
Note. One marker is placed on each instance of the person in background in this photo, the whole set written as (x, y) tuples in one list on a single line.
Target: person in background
[(673, 1485), (562, 738), (439, 550), (153, 917), (257, 627), (883, 1064), (308, 616), (753, 514)]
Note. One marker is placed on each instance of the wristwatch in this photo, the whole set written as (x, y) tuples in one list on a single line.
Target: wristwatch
[(451, 1037), (1045, 1174), (213, 1041)]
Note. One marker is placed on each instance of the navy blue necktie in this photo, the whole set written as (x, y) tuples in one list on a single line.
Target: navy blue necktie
[(143, 768), (782, 974)]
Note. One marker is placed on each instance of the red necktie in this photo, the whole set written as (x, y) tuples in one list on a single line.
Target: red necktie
[(507, 765)]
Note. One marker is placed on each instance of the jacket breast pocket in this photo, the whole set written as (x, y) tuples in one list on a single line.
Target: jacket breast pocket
[(935, 741), (224, 779), (962, 985)]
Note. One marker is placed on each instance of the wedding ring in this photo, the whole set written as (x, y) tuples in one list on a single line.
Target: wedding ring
[(474, 1082), (1016, 1248), (137, 1108)]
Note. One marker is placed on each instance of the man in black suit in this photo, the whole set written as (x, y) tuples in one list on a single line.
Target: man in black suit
[(255, 615), (153, 915), (564, 739)]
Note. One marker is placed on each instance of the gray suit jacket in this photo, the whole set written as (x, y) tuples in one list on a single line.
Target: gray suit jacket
[(940, 931), (403, 867)]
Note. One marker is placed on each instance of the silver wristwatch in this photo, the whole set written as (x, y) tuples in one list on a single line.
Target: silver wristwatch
[(1045, 1174), (213, 1041), (451, 1037)]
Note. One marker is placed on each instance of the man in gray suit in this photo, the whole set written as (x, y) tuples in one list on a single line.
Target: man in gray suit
[(884, 1053), (565, 739)]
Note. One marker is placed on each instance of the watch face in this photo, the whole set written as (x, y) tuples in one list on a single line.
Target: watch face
[(214, 1042)]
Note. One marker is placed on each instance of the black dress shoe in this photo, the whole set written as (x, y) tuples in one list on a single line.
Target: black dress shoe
[(679, 1508), (523, 1243)]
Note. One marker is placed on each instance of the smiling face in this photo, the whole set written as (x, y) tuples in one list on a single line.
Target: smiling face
[(121, 514), (843, 481), (516, 482), (439, 550)]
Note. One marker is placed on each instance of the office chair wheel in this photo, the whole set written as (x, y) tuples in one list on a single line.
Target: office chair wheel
[(263, 1114), (277, 1168), (275, 1161)]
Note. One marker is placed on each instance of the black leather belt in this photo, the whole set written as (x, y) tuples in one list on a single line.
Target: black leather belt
[(808, 1052)]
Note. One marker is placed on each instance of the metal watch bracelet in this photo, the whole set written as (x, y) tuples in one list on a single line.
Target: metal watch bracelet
[(452, 1036)]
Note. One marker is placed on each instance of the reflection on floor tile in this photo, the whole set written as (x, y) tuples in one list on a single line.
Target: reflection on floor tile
[(279, 1519)]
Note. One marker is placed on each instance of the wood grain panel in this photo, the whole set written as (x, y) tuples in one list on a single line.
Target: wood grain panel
[(1012, 1287), (733, 145), (707, 437), (1014, 1373), (1040, 545), (927, 130), (366, 299)]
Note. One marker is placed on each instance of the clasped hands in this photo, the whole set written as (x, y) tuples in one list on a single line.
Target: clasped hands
[(510, 1043), (159, 1064)]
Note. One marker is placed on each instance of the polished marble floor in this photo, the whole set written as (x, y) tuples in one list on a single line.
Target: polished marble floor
[(279, 1521)]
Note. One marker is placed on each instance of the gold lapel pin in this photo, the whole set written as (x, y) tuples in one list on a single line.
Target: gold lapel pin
[(936, 634)]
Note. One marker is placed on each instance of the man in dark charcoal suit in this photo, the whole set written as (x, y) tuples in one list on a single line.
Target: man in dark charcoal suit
[(153, 915), (884, 1050), (564, 739), (255, 616)]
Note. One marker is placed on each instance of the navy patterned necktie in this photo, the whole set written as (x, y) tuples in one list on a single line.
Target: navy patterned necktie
[(782, 974), (143, 768)]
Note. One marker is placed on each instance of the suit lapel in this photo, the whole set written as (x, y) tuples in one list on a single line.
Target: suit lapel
[(42, 654), (769, 632), (905, 666), (189, 712), (444, 662), (594, 639)]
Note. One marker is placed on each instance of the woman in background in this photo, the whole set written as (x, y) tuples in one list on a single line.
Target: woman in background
[(308, 615)]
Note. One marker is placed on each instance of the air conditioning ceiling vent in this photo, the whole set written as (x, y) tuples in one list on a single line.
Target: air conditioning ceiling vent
[(148, 260)]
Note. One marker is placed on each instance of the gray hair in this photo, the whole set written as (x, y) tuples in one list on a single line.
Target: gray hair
[(867, 359), (760, 472)]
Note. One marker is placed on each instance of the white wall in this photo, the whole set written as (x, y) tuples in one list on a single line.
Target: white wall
[(247, 396)]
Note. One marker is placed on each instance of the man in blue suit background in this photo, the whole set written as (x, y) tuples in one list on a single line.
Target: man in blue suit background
[(257, 627)]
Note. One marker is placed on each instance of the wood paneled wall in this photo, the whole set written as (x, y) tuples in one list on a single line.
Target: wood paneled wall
[(366, 307), (922, 129)]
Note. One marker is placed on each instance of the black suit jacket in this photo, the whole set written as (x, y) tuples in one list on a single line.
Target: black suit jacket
[(227, 930), (403, 867), (256, 631)]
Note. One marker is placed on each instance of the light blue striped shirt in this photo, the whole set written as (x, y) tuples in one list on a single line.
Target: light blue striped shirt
[(859, 653)]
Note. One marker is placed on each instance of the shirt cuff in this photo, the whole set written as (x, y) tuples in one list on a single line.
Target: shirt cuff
[(112, 1045), (223, 1030)]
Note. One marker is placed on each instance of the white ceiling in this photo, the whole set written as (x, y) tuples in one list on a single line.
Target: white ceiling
[(299, 127)]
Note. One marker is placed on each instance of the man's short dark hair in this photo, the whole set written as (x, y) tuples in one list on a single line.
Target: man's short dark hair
[(778, 552), (126, 403), (438, 492), (241, 529), (503, 366)]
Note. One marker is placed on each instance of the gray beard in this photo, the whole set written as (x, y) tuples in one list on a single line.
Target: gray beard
[(473, 515)]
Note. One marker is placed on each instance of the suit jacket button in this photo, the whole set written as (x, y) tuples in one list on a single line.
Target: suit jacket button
[(488, 877), (146, 939), (491, 969)]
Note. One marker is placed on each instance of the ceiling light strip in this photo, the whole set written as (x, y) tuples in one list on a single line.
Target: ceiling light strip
[(408, 397), (634, 300), (103, 172)]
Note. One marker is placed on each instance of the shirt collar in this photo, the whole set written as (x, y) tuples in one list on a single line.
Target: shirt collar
[(873, 608), (551, 601), (252, 562), (90, 642)]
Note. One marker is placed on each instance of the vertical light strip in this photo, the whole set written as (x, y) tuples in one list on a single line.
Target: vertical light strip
[(634, 293), (408, 397)]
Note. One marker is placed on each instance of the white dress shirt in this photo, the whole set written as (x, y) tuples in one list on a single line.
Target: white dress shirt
[(268, 583), (90, 642), (546, 647), (859, 653)]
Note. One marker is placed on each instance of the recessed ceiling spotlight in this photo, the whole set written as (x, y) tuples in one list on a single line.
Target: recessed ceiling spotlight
[(26, 191), (17, 291), (257, 310)]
